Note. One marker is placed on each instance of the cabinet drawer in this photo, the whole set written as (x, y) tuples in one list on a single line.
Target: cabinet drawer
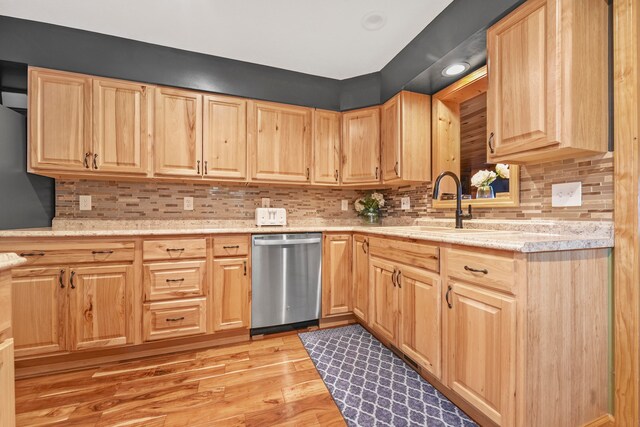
[(64, 253), (419, 255), (174, 249), (167, 280), (492, 271), (230, 246), (172, 319)]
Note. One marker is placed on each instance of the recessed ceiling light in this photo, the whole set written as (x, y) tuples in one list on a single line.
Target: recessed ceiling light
[(373, 21), (455, 69)]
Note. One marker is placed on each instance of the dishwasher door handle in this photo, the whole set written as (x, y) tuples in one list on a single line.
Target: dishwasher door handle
[(285, 242)]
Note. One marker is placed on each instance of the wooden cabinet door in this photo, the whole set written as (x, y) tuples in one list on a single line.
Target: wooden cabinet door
[(420, 311), (522, 94), (336, 274), (384, 295), (279, 142), (481, 344), (101, 303), (59, 120), (178, 137), (39, 310), (361, 146), (224, 138), (391, 139), (231, 295), (7, 385), (120, 126), (360, 288), (326, 147)]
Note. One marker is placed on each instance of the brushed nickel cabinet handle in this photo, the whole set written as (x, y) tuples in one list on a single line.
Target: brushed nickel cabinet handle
[(490, 142), (174, 319), (61, 279), (175, 280), (95, 161), (86, 160), (476, 270), (27, 254), (73, 285), (107, 252)]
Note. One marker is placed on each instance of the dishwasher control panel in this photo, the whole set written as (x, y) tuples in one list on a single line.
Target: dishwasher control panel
[(271, 216)]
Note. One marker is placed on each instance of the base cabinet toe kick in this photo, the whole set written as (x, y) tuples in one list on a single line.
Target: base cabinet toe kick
[(514, 339)]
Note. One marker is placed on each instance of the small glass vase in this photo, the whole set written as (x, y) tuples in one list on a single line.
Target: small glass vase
[(371, 217), (485, 192)]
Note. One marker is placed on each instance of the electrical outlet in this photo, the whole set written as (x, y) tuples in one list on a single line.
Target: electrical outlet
[(568, 194), (188, 203), (405, 203), (85, 203), (345, 205), (266, 202)]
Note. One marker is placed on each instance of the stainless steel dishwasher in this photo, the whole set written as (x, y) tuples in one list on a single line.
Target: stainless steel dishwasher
[(286, 278)]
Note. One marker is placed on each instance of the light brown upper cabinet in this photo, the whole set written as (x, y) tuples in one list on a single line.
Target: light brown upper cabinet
[(120, 126), (178, 136), (326, 147), (224, 144), (361, 146), (59, 121), (279, 142), (406, 138), (548, 95)]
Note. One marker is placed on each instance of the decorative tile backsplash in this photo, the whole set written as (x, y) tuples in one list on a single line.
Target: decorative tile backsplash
[(148, 200)]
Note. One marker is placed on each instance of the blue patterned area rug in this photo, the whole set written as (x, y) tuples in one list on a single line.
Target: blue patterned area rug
[(374, 387)]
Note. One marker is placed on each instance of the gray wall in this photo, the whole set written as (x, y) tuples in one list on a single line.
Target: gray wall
[(26, 200)]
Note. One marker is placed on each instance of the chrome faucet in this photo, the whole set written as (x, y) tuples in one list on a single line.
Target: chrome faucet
[(459, 215)]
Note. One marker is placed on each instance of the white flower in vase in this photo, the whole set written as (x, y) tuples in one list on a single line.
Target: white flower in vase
[(483, 178), (502, 170)]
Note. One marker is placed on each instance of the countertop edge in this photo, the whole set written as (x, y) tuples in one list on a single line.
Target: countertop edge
[(10, 260)]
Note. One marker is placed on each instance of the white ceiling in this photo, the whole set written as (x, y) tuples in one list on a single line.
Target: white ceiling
[(320, 37)]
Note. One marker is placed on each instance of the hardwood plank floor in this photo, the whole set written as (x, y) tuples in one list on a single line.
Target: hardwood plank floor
[(270, 382)]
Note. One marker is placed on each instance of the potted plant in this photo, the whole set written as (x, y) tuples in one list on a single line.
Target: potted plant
[(368, 207)]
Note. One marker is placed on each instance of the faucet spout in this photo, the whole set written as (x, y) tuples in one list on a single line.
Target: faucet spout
[(436, 189)]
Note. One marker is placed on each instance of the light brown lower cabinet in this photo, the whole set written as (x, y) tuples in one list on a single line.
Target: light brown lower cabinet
[(336, 274), (64, 308), (481, 345), (405, 311), (231, 296), (360, 279), (7, 385), (100, 306)]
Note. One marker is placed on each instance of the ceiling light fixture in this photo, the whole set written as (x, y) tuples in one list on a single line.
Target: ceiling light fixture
[(373, 21), (455, 69)]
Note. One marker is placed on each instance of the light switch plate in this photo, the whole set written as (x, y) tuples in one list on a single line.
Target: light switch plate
[(266, 202), (85, 203), (405, 203), (188, 203), (345, 205), (567, 194)]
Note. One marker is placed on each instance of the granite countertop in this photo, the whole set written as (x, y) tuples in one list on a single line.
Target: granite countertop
[(10, 260), (520, 236)]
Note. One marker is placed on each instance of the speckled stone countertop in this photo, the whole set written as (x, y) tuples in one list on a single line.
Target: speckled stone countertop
[(10, 260), (520, 236)]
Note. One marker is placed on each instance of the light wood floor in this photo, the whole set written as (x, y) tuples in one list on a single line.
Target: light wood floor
[(263, 383)]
